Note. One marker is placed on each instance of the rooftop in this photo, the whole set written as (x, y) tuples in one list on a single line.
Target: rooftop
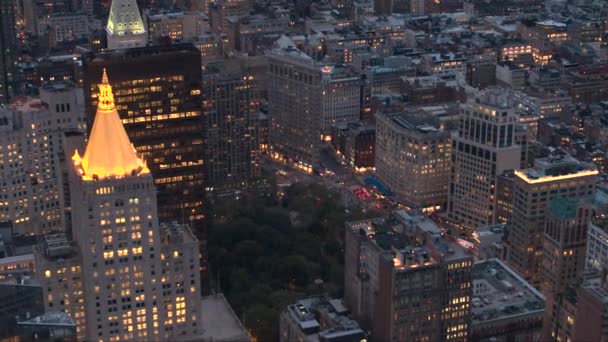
[(416, 121), (500, 293), (56, 319), (595, 284), (495, 97), (410, 239), (219, 322), (57, 247), (175, 233), (551, 23), (565, 208), (556, 168), (432, 81), (446, 57), (340, 72), (600, 221), (124, 18), (309, 312)]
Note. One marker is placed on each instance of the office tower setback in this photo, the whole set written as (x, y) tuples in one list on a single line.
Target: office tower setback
[(483, 149), (138, 280), (31, 139), (533, 188), (230, 114), (413, 158), (158, 96), (125, 28), (8, 50), (407, 281), (564, 243)]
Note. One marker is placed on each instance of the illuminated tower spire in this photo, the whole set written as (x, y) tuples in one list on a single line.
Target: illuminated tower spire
[(140, 280), (125, 28), (109, 152)]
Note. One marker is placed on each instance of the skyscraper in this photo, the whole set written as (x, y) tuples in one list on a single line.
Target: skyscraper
[(533, 188), (483, 150), (158, 97), (305, 99), (8, 50), (293, 92), (125, 28), (134, 279), (230, 114)]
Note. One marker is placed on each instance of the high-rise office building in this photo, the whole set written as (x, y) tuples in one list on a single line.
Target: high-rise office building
[(305, 99), (31, 141), (564, 243), (230, 114), (533, 188), (413, 158), (484, 149), (340, 97), (8, 50), (158, 97), (294, 89), (406, 281), (127, 277), (125, 28)]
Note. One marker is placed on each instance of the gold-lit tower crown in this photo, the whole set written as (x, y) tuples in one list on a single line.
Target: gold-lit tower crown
[(109, 152), (106, 97)]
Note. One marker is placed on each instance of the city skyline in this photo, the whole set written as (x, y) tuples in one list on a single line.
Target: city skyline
[(315, 171)]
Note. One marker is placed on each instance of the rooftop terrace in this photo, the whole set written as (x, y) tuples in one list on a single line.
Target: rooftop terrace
[(499, 293), (411, 239), (309, 312)]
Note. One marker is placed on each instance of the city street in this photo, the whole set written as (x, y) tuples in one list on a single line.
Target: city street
[(336, 177)]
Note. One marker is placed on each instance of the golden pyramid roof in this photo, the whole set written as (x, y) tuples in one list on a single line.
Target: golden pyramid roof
[(109, 152)]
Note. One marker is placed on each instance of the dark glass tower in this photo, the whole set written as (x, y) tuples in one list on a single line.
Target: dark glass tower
[(158, 97), (230, 112), (8, 49)]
